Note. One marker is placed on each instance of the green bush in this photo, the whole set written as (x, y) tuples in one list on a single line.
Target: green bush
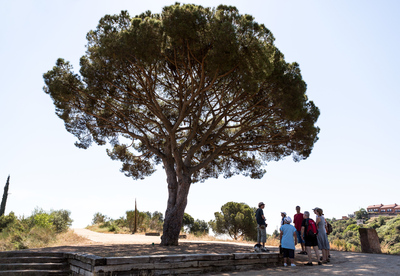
[(145, 221), (381, 220), (38, 230), (99, 218), (5, 221), (352, 228), (61, 220), (121, 222), (199, 228), (113, 228), (105, 224), (43, 220), (375, 225)]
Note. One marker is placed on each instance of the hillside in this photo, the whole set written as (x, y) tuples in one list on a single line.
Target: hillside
[(345, 235)]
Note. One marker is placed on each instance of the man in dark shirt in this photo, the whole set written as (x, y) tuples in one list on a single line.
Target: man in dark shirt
[(261, 225)]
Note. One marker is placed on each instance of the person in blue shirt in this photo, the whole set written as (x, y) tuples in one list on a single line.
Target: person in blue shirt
[(288, 239)]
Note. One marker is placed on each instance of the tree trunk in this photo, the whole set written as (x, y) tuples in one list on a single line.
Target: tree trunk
[(4, 200), (178, 191)]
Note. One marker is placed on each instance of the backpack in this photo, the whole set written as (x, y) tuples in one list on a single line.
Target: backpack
[(311, 228), (329, 228)]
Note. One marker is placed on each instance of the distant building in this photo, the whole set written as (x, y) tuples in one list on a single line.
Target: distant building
[(383, 210), (374, 208)]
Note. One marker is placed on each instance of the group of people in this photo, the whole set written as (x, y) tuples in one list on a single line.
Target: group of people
[(306, 231)]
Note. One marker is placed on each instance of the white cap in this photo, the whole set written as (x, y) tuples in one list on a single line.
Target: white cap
[(288, 220), (283, 213)]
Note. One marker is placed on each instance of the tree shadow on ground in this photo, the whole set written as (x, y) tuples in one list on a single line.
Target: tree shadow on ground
[(119, 250)]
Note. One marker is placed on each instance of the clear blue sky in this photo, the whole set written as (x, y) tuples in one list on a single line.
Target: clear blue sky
[(348, 54)]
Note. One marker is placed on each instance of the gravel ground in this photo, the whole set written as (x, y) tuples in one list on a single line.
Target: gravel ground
[(342, 263)]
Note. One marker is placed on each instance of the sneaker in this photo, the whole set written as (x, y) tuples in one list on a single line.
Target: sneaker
[(292, 265), (285, 264), (309, 264), (319, 263)]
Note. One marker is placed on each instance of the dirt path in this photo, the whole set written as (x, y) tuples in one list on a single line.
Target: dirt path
[(342, 263), (116, 238), (138, 239)]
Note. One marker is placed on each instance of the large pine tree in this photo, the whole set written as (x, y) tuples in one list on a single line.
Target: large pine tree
[(203, 91)]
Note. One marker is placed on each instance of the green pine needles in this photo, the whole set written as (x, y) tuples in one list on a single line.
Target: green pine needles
[(202, 91)]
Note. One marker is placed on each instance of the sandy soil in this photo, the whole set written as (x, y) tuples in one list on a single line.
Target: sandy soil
[(342, 263)]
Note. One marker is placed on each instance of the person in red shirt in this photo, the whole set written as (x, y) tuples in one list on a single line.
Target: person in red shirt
[(298, 219)]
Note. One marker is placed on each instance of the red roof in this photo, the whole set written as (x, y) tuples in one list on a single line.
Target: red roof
[(397, 207), (375, 206), (389, 206)]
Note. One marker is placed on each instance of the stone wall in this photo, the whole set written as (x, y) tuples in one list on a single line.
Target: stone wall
[(90, 265)]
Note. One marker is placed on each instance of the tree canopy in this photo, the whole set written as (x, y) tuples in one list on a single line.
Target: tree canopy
[(204, 91), (361, 214), (236, 220)]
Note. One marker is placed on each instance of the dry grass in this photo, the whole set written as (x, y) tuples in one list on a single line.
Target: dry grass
[(105, 230), (38, 237), (5, 245), (385, 249), (191, 237), (70, 238), (41, 237), (273, 242), (341, 245), (98, 229)]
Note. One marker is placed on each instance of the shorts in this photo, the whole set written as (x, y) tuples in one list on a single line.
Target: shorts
[(299, 239), (311, 241), (261, 234), (288, 253)]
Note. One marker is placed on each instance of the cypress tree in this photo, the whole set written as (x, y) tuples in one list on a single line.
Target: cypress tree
[(135, 226), (4, 200)]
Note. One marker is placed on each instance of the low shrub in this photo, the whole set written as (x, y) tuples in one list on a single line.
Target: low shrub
[(145, 222), (38, 230), (61, 220), (113, 228)]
